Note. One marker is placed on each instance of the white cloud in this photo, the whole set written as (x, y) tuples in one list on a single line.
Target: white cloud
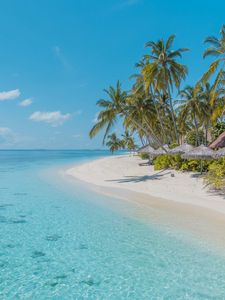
[(26, 102), (7, 136), (10, 138), (54, 118), (61, 57), (9, 95), (4, 131)]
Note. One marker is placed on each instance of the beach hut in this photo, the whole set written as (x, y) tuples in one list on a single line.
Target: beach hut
[(200, 153), (181, 149), (219, 142)]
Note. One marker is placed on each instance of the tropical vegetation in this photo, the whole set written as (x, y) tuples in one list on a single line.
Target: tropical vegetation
[(160, 107)]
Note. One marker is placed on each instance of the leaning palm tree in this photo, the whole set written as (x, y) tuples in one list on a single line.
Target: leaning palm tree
[(163, 71), (141, 110), (128, 141), (216, 49), (114, 143), (120, 105), (111, 109), (214, 104)]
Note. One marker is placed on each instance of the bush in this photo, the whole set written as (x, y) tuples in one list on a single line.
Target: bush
[(178, 163), (215, 168), (144, 155), (216, 174), (168, 161), (194, 165), (162, 162)]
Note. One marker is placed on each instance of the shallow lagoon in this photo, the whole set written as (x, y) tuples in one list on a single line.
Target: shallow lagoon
[(57, 243)]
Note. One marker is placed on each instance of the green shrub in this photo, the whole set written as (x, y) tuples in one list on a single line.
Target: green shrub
[(144, 155), (194, 165), (216, 174), (162, 162), (168, 161), (177, 163)]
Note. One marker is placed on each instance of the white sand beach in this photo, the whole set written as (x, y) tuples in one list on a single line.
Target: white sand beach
[(132, 173), (182, 198)]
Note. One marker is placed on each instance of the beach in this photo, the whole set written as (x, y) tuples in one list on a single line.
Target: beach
[(175, 197)]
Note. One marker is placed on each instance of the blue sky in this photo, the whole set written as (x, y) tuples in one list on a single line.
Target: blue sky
[(58, 55)]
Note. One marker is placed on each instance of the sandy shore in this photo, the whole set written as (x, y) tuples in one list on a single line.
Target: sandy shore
[(131, 173), (181, 198)]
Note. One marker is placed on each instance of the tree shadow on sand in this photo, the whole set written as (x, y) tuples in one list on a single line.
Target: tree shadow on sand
[(137, 179)]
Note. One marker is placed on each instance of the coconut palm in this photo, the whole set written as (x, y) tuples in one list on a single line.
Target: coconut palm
[(139, 87), (111, 109), (192, 108), (120, 105), (216, 49), (113, 142), (128, 141), (163, 71), (213, 107), (141, 110)]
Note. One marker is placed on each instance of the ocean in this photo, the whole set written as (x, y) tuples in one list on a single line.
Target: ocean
[(59, 241)]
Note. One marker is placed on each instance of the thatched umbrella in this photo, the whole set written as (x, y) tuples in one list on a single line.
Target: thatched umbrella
[(219, 153), (146, 149), (159, 151), (181, 149), (201, 152)]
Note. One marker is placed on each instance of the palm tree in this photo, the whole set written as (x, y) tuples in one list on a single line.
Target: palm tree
[(163, 71), (216, 49), (121, 105), (139, 87), (114, 143), (128, 141), (192, 108), (140, 110), (111, 110)]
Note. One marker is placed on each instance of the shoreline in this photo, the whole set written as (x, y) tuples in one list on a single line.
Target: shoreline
[(179, 201)]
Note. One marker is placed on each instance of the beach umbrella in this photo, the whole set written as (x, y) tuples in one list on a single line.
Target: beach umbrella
[(181, 149), (219, 153), (199, 153), (159, 151), (146, 149)]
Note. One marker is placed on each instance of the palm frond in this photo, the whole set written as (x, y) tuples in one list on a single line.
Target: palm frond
[(212, 68)]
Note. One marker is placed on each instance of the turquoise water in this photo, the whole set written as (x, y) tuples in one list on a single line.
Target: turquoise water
[(57, 243)]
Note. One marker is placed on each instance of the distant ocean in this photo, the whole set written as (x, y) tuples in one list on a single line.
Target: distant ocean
[(59, 242)]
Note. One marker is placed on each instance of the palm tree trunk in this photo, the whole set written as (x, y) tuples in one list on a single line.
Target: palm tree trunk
[(206, 133), (154, 136), (196, 130), (173, 116), (141, 139), (159, 117)]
